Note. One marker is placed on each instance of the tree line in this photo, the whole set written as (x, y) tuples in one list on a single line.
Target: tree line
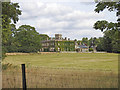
[(107, 43), (24, 39)]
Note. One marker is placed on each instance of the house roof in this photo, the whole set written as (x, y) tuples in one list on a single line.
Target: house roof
[(54, 40), (82, 46)]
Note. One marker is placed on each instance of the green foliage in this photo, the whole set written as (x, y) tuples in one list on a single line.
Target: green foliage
[(43, 37), (65, 45), (6, 66), (110, 6), (3, 52), (90, 49), (111, 39), (104, 25), (100, 44), (93, 41), (24, 39), (10, 43), (27, 39), (85, 41), (116, 41), (10, 12), (101, 25)]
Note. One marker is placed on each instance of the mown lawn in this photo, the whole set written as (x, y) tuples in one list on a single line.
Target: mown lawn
[(83, 61)]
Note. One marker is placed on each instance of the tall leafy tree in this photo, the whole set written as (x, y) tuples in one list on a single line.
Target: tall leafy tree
[(108, 41), (11, 44), (100, 44), (112, 30), (27, 39), (10, 14)]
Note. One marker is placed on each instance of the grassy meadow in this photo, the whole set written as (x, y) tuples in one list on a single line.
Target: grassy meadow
[(62, 70)]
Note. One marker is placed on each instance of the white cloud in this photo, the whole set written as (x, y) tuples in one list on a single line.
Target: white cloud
[(76, 34), (48, 24), (85, 24), (51, 18), (53, 1), (56, 9), (39, 9), (79, 15)]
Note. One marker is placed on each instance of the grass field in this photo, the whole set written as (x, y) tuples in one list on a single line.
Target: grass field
[(63, 70), (85, 61)]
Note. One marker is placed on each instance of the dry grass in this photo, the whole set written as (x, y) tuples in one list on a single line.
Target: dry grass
[(59, 78), (30, 53)]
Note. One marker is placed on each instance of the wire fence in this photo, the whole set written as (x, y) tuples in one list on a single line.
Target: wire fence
[(59, 78)]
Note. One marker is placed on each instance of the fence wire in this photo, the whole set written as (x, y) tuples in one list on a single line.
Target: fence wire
[(59, 78)]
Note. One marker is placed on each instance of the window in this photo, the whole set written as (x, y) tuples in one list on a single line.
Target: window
[(58, 44)]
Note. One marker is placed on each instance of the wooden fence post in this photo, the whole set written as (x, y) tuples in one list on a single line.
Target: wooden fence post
[(23, 77)]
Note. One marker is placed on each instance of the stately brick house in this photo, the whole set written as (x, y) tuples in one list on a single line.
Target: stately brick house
[(58, 44)]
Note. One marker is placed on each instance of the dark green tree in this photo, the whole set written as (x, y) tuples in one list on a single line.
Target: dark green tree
[(11, 44), (111, 5), (111, 37), (85, 41), (44, 37), (100, 44), (108, 41), (10, 13), (27, 39), (93, 41)]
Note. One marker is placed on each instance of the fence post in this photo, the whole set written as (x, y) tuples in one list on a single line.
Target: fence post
[(23, 77)]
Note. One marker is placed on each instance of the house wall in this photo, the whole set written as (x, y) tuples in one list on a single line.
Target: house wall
[(65, 46), (48, 46), (58, 46), (82, 50)]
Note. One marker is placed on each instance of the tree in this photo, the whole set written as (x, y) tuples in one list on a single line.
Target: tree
[(10, 12), (116, 42), (44, 37), (111, 30), (11, 45), (93, 41), (107, 41), (110, 6), (85, 41), (27, 39), (112, 41), (100, 45)]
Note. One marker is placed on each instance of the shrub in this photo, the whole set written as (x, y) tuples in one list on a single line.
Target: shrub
[(90, 49)]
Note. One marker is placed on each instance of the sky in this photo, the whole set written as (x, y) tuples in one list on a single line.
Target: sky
[(71, 18)]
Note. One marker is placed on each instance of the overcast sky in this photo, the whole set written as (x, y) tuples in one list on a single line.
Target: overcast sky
[(71, 18)]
